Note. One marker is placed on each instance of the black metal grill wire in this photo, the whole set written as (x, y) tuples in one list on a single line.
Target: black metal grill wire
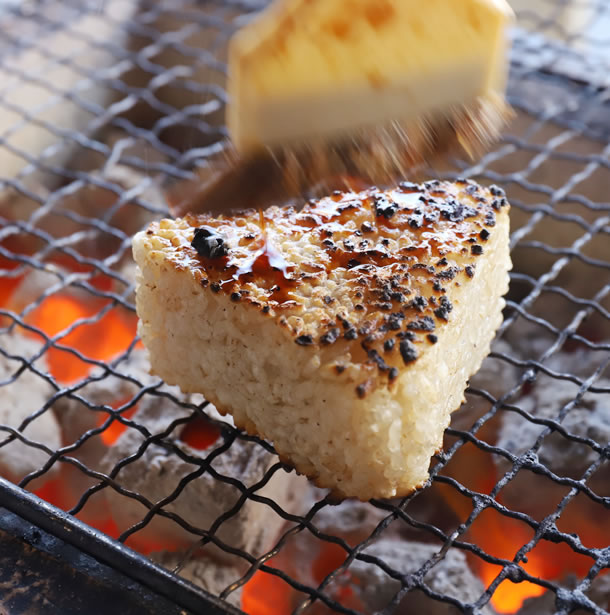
[(540, 204)]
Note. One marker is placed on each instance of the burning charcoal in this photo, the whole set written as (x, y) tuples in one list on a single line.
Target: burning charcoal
[(599, 593), (531, 341), (19, 399), (589, 418), (450, 577), (354, 521), (157, 472), (203, 572), (37, 281), (77, 417), (309, 559)]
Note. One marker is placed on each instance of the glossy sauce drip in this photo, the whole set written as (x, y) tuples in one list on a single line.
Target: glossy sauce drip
[(269, 264)]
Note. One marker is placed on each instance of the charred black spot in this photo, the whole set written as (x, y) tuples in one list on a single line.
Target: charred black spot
[(490, 219), (408, 352), (394, 322), (484, 234), (353, 263), (351, 334), (456, 212), (328, 299), (448, 274), (304, 340), (236, 297), (344, 322), (423, 324), (388, 345), (477, 249), (419, 303), (416, 222), (469, 271), (441, 313), (393, 374), (496, 191), (215, 287), (378, 359), (331, 336), (385, 207), (209, 243), (445, 308), (446, 304), (367, 227), (432, 338), (406, 335)]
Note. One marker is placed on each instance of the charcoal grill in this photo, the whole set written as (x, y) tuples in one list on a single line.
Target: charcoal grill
[(143, 82)]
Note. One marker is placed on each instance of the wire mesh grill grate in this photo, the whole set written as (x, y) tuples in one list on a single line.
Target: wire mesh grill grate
[(108, 106)]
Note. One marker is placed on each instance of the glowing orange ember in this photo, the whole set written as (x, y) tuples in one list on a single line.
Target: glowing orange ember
[(55, 492), (502, 536), (267, 594), (101, 340), (113, 432), (331, 556), (199, 434)]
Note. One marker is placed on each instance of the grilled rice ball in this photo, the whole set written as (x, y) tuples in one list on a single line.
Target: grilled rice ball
[(344, 332)]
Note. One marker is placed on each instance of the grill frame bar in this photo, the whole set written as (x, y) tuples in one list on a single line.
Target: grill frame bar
[(88, 541)]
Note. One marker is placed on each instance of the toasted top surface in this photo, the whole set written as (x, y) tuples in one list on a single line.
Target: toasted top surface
[(365, 275)]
